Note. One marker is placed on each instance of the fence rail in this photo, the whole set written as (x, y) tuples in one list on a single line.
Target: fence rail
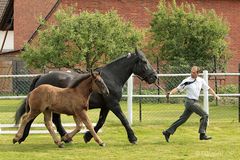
[(205, 75), (130, 88), (37, 128), (19, 76)]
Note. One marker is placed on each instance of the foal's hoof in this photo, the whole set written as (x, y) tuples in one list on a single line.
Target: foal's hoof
[(14, 141), (61, 145), (102, 144), (66, 138), (20, 141)]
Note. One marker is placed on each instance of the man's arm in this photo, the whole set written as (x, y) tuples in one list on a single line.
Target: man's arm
[(211, 90), (174, 90), (214, 94)]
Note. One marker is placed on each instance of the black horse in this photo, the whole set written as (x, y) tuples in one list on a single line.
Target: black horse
[(115, 75)]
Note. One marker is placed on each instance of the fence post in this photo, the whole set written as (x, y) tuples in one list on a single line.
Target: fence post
[(140, 101), (129, 99), (215, 79), (238, 93), (205, 93), (158, 81)]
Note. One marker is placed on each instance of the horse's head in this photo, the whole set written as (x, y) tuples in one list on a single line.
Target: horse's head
[(98, 84), (143, 68)]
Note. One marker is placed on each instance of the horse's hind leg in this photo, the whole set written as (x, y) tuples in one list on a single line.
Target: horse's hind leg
[(25, 120), (84, 117), (48, 124), (26, 130), (79, 126)]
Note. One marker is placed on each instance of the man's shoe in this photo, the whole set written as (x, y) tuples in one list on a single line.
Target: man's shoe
[(204, 137), (166, 135)]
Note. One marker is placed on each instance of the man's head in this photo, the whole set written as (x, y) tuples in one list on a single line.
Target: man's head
[(195, 71)]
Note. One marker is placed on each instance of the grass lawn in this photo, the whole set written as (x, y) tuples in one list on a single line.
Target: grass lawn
[(184, 144)]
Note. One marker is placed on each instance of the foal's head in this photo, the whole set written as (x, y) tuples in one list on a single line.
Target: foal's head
[(98, 84)]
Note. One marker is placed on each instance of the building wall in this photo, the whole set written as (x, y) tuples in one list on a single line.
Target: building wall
[(26, 16), (5, 69), (27, 12)]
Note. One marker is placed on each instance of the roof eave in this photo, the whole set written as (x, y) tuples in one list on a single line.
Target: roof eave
[(7, 15)]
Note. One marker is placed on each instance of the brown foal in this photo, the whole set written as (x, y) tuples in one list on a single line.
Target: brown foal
[(71, 101)]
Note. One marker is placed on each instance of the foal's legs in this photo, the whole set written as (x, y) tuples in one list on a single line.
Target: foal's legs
[(84, 117), (48, 124), (79, 126), (56, 119), (102, 118), (27, 117)]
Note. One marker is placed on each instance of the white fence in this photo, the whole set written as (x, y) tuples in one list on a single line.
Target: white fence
[(36, 128), (130, 94), (205, 94)]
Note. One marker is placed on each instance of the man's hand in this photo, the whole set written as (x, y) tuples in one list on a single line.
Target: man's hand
[(167, 95), (217, 97)]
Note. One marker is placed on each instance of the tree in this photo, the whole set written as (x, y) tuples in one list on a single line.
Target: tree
[(85, 39), (183, 36)]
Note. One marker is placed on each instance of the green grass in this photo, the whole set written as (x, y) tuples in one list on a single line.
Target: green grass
[(184, 144)]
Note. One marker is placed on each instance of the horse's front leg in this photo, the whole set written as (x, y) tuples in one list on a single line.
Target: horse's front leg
[(116, 109), (84, 117), (79, 126), (102, 118), (48, 124), (56, 119)]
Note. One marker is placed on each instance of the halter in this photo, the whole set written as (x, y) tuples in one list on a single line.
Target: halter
[(141, 78)]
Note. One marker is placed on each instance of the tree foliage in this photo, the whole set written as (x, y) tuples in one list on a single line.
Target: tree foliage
[(184, 36), (84, 38)]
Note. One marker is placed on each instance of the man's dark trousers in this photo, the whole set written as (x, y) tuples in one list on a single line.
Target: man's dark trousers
[(191, 106)]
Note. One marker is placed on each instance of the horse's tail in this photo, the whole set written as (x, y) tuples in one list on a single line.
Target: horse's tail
[(24, 106)]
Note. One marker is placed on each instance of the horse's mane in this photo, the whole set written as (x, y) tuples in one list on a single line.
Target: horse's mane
[(113, 61), (79, 71), (120, 58), (76, 82), (124, 56)]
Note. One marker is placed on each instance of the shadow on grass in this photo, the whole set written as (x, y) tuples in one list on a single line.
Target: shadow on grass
[(43, 147), (36, 143), (27, 147)]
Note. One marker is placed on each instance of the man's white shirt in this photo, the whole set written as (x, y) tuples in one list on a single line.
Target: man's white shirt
[(193, 90)]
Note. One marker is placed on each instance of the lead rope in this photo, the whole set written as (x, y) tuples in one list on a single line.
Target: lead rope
[(167, 94)]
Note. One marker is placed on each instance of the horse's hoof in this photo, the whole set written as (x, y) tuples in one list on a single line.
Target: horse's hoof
[(134, 142), (14, 141), (20, 141), (61, 145), (87, 137), (66, 139), (102, 144)]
